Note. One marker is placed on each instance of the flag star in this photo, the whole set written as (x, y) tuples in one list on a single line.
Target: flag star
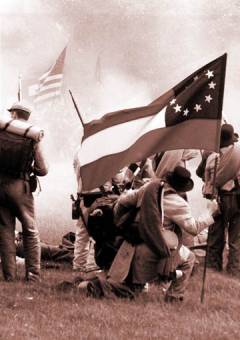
[(208, 98), (212, 85), (177, 108), (209, 74), (185, 112), (198, 107), (173, 101), (195, 78)]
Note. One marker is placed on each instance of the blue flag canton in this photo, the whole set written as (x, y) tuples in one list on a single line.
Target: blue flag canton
[(196, 97)]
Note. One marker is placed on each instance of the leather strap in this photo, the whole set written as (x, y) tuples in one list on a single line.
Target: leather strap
[(7, 124), (27, 130)]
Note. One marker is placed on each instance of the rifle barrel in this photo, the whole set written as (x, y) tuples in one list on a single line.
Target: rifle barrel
[(76, 107)]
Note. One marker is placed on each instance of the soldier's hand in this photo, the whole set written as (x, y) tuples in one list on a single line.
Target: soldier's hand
[(97, 212), (213, 208)]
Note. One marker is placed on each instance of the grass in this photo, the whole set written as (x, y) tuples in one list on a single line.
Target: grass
[(42, 312)]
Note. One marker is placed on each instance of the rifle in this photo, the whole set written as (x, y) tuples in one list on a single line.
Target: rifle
[(76, 107), (88, 199), (137, 170), (77, 210), (19, 94)]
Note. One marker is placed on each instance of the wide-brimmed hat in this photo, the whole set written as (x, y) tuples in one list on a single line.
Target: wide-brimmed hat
[(180, 179), (21, 106), (227, 135)]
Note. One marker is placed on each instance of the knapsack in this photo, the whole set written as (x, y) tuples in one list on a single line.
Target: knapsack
[(107, 236), (16, 154), (100, 225)]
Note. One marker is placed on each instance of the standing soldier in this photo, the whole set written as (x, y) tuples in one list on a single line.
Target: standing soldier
[(227, 187), (83, 260), (19, 158)]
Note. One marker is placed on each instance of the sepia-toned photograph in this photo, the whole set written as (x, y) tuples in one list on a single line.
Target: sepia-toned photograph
[(119, 169)]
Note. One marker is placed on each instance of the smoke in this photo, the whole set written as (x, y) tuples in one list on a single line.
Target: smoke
[(120, 53)]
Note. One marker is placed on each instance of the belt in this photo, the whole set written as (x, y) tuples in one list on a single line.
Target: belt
[(229, 193), (21, 175)]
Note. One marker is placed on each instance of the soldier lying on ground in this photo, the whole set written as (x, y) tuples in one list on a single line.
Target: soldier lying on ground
[(62, 253)]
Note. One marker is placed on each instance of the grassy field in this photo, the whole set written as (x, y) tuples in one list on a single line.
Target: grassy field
[(42, 312)]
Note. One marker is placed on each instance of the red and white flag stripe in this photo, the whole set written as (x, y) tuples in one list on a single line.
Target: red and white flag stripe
[(103, 153), (50, 83), (126, 134), (182, 118)]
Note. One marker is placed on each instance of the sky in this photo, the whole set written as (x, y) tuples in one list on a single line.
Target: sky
[(121, 53)]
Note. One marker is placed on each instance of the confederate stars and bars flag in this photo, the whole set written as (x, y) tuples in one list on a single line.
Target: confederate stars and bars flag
[(186, 117)]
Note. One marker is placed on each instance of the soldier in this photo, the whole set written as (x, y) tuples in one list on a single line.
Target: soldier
[(163, 208), (155, 252), (83, 260), (227, 187), (167, 161), (19, 158)]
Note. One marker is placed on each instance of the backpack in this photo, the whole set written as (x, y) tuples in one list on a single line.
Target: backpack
[(16, 154), (101, 228), (107, 236), (100, 224)]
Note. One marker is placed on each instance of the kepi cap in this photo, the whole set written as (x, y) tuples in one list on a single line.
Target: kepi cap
[(21, 106)]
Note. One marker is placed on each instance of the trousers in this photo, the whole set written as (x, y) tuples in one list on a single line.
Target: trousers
[(226, 226), (17, 202), (145, 268), (83, 247)]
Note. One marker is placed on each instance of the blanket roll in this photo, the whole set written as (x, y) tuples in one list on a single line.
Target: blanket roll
[(21, 128)]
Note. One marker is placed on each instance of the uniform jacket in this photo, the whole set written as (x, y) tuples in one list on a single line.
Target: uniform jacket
[(175, 210)]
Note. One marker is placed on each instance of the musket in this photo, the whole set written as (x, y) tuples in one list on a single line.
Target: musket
[(78, 209), (76, 107), (19, 94), (77, 201), (137, 171)]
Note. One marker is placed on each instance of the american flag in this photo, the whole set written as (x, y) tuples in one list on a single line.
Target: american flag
[(50, 83)]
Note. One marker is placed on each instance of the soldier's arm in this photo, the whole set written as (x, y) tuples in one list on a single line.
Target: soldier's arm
[(177, 210), (40, 166)]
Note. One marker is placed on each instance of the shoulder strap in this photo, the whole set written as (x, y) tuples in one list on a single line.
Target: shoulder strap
[(7, 124), (157, 159), (151, 219)]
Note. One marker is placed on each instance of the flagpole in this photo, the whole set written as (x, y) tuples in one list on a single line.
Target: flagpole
[(75, 105), (207, 248), (19, 88)]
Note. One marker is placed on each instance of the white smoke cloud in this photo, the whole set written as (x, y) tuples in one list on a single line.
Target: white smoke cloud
[(145, 47)]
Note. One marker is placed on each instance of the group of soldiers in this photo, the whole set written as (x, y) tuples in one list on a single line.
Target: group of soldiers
[(140, 222)]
